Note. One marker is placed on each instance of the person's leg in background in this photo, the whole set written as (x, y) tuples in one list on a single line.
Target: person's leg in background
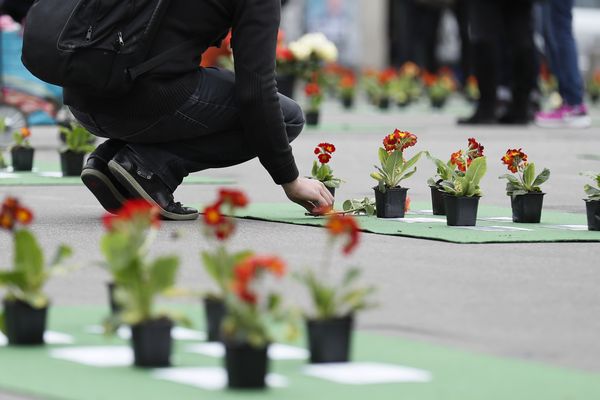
[(561, 51), (518, 17), (205, 132), (483, 20)]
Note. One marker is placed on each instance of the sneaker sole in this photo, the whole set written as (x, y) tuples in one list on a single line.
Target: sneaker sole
[(103, 189), (136, 190), (580, 122)]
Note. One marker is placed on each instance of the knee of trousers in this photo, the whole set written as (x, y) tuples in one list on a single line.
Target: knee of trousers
[(293, 117)]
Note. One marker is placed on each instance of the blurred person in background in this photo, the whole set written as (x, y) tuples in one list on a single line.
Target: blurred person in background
[(489, 20), (17, 9), (561, 52)]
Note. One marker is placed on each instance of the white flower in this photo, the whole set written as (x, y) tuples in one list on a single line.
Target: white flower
[(317, 43), (300, 50), (327, 52)]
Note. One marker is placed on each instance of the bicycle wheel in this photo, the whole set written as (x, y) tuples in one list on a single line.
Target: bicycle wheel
[(14, 119)]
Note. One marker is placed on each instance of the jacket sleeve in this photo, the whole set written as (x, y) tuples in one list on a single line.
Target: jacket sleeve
[(254, 43)]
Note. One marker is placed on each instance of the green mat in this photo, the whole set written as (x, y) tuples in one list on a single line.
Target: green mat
[(48, 175), (494, 224), (454, 374)]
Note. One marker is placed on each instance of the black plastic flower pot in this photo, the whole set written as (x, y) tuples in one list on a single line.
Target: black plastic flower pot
[(403, 104), (329, 340), (438, 103), (384, 103), (595, 97), (461, 211), (347, 102), (593, 214), (71, 163), (312, 118), (527, 208), (392, 203), (331, 190), (286, 84), (246, 366), (152, 343), (437, 201), (214, 312), (24, 324), (22, 158), (115, 308)]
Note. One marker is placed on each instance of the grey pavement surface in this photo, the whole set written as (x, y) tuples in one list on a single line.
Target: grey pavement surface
[(537, 302)]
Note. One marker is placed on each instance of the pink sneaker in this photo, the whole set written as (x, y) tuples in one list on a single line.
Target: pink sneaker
[(565, 116)]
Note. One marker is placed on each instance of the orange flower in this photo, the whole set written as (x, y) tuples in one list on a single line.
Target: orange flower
[(407, 204), (327, 147), (429, 79), (344, 225), (324, 158), (409, 68), (284, 54), (131, 210), (25, 132), (472, 81), (457, 160), (13, 213), (248, 269), (213, 216), (234, 198), (515, 160), (312, 89), (386, 76), (224, 230)]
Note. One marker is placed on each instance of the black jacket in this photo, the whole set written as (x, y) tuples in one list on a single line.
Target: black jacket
[(254, 25)]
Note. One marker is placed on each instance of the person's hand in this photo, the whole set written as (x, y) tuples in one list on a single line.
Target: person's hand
[(309, 193)]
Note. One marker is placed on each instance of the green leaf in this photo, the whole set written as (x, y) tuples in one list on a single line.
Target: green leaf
[(383, 156), (2, 326), (16, 279), (29, 258), (62, 254), (510, 178), (529, 176), (315, 168), (163, 272), (351, 275), (411, 163), (542, 177), (476, 171)]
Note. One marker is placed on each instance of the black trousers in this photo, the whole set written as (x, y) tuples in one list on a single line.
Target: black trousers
[(205, 132), (497, 23)]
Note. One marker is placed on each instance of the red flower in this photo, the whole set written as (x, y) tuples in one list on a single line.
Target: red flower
[(457, 160), (131, 210), (234, 198), (312, 89), (385, 77), (247, 270), (324, 158), (324, 151), (13, 213), (514, 160), (399, 140), (429, 79), (348, 81), (344, 225), (224, 230), (475, 149), (407, 204), (284, 54)]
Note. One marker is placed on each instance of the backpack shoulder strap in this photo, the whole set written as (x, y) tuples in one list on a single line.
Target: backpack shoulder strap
[(156, 61)]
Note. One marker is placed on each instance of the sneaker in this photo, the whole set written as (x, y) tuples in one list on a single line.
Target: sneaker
[(565, 116), (103, 185), (143, 183)]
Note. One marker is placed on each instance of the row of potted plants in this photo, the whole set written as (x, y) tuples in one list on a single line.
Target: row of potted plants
[(77, 144), (455, 189), (246, 312)]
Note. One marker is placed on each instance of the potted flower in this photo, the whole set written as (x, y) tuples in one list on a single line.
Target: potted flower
[(594, 87), (315, 98), (471, 89), (321, 170), (77, 141), (592, 203), (524, 189), (347, 88), (219, 262), (138, 281), (389, 195), (335, 301), (286, 68), (312, 51), (385, 80), (25, 304), (461, 199), (21, 151), (438, 88), (444, 173), (254, 308)]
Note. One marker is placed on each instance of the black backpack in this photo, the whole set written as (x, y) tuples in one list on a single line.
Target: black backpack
[(96, 46)]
